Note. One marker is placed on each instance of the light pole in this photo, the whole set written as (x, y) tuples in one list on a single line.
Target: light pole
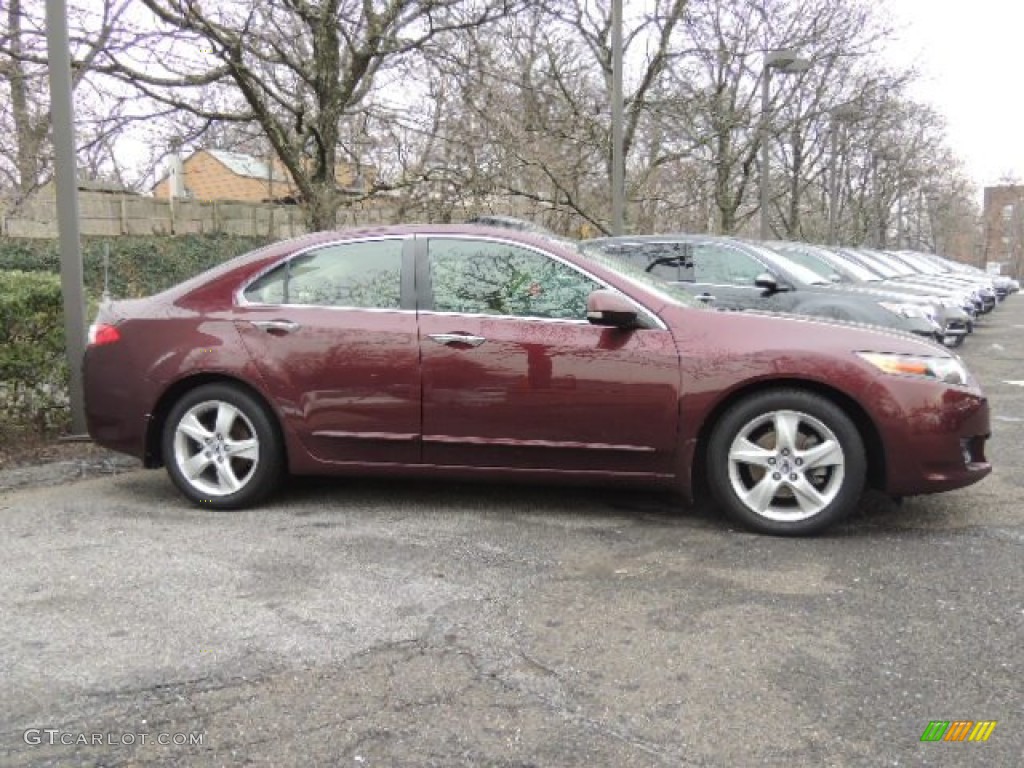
[(842, 114), (618, 159), (787, 62), (66, 167)]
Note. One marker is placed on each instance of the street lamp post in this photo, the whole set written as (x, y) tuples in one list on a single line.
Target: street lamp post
[(842, 114), (788, 62), (618, 158)]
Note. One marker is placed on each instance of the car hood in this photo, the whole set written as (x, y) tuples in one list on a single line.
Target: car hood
[(788, 333), (882, 294)]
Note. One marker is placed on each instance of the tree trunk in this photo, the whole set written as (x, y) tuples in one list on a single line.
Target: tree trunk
[(793, 220), (28, 134), (322, 207)]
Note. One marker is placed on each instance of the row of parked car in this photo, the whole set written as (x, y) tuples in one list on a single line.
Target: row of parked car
[(917, 292), (920, 293)]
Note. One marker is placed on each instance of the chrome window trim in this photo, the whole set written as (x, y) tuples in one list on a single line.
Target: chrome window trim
[(241, 301), (376, 310), (530, 247), (520, 318)]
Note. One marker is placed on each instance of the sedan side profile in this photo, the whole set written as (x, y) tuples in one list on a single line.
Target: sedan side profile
[(473, 352)]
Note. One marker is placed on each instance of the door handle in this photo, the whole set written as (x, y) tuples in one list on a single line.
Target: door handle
[(705, 297), (457, 338), (276, 326)]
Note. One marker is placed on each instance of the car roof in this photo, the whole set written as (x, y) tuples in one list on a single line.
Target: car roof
[(665, 238)]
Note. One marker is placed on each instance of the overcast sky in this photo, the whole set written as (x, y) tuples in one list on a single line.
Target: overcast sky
[(971, 57)]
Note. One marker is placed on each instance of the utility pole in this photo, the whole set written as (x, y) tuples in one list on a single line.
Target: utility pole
[(59, 53), (618, 159)]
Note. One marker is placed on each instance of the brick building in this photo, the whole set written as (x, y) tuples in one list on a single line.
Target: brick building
[(1003, 217), (213, 174)]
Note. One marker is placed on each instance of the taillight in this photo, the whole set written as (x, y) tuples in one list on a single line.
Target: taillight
[(102, 333)]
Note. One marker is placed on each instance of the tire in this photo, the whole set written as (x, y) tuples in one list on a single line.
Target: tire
[(791, 487), (235, 466)]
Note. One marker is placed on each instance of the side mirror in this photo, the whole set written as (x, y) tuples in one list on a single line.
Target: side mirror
[(766, 281), (835, 278), (606, 307)]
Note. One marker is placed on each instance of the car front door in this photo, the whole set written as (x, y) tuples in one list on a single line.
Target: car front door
[(336, 343), (514, 376)]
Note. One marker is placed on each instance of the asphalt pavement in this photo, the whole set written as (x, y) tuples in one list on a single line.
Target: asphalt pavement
[(357, 623)]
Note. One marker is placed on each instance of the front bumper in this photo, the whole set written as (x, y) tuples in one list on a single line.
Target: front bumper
[(935, 438)]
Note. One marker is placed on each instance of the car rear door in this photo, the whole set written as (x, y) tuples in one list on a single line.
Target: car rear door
[(333, 333)]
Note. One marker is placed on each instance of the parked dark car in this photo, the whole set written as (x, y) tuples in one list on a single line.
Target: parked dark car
[(735, 274), (468, 352), (947, 307), (899, 274)]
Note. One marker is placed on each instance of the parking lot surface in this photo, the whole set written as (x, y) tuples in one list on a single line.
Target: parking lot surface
[(358, 623)]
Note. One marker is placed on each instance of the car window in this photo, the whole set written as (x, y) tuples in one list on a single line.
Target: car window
[(614, 256), (723, 265), (670, 260), (364, 274), (492, 278)]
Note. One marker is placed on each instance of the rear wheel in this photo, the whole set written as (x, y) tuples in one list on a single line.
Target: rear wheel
[(220, 447), (786, 462)]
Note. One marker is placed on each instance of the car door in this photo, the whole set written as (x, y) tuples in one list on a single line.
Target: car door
[(336, 343), (724, 275), (514, 376)]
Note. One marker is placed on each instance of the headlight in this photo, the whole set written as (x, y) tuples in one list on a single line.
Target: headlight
[(905, 310), (945, 369)]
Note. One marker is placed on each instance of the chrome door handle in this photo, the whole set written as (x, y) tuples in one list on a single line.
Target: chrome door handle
[(704, 297), (281, 326), (457, 338)]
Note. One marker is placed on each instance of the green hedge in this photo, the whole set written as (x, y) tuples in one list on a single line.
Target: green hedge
[(33, 368), (139, 266)]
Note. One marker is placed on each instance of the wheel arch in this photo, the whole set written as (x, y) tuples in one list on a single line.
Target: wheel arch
[(154, 430), (873, 445)]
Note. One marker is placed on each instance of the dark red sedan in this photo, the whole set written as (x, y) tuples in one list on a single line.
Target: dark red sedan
[(489, 353)]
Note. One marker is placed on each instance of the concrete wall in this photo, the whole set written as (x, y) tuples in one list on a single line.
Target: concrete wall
[(112, 215)]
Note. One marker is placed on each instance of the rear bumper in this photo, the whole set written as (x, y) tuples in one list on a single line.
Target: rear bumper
[(114, 415)]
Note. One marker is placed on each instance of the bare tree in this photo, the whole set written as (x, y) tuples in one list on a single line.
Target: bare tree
[(296, 68), (25, 154)]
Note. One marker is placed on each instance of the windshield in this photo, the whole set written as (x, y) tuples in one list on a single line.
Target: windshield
[(922, 265), (873, 263), (798, 271), (897, 266), (635, 274), (811, 261), (854, 269)]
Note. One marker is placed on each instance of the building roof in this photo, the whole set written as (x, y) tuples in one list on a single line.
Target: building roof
[(246, 165)]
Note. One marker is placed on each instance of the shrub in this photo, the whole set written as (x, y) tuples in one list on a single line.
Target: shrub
[(33, 366), (139, 266)]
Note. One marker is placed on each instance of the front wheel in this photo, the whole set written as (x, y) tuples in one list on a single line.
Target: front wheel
[(220, 447), (786, 462)]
